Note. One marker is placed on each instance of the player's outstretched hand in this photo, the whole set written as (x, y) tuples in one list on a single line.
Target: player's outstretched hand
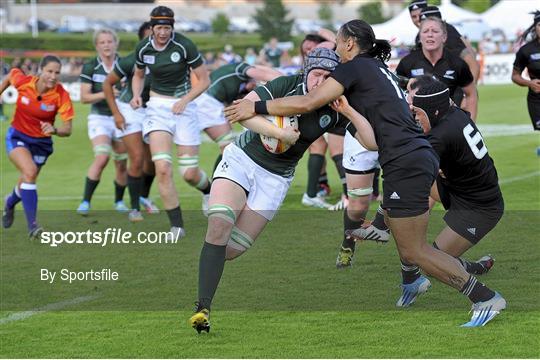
[(179, 106), (290, 135), (340, 105), (136, 102), (240, 110), (120, 122)]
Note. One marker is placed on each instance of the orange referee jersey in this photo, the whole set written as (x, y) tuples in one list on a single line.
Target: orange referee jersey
[(31, 108)]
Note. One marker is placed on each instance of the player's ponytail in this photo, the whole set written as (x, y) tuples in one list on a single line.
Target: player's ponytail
[(381, 50), (531, 30), (363, 35)]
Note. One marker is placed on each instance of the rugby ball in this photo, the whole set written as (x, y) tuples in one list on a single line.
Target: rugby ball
[(274, 145)]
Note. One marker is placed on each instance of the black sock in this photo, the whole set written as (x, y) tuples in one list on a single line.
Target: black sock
[(315, 164), (211, 264), (89, 188), (119, 191), (134, 186), (376, 182), (476, 291), (218, 160), (206, 190), (409, 273), (175, 217), (338, 161), (378, 222), (349, 224), (148, 179), (473, 267)]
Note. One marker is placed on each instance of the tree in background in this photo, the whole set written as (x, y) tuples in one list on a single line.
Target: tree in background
[(478, 6), (326, 15), (220, 24), (273, 22), (371, 13)]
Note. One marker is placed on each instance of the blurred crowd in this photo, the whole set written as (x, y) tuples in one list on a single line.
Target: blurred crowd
[(272, 54)]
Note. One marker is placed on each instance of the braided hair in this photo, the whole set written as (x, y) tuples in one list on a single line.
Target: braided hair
[(364, 37)]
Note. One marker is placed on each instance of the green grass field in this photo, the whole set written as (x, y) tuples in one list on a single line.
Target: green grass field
[(284, 298)]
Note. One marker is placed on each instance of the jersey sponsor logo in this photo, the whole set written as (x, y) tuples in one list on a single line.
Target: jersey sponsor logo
[(325, 120), (48, 108), (472, 230), (149, 59), (99, 78), (535, 56), (449, 74), (417, 72), (175, 57), (25, 100), (395, 196)]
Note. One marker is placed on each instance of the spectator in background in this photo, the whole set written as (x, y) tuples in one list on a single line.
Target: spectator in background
[(210, 60), (273, 53), (251, 56), (229, 56)]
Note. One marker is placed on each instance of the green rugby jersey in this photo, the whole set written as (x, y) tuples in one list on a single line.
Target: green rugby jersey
[(170, 66), (124, 69), (94, 73), (226, 80), (311, 126)]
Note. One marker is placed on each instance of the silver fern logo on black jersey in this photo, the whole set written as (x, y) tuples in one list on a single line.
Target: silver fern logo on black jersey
[(175, 57), (324, 121)]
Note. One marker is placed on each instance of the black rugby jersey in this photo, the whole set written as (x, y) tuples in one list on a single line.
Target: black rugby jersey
[(450, 69), (469, 171), (528, 56), (371, 90)]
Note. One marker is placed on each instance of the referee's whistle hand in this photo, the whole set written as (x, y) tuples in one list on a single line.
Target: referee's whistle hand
[(240, 110)]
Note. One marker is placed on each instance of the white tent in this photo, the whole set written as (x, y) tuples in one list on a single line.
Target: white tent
[(512, 16), (400, 29)]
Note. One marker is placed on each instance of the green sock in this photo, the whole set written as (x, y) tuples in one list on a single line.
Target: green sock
[(211, 264)]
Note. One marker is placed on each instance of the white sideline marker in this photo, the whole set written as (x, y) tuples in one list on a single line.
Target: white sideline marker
[(519, 178), (50, 307)]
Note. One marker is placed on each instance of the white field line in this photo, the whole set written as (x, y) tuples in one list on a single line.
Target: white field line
[(519, 178), (49, 307)]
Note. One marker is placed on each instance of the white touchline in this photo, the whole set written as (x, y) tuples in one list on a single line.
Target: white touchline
[(50, 307), (519, 178)]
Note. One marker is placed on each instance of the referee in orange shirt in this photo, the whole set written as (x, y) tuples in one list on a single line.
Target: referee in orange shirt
[(28, 140)]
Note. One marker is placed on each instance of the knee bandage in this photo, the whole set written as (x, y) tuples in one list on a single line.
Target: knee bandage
[(240, 240), (103, 149), (186, 162), (119, 157), (225, 139), (357, 192), (223, 212), (162, 156)]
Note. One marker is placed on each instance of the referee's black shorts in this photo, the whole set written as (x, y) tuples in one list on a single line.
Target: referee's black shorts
[(407, 182), (469, 220)]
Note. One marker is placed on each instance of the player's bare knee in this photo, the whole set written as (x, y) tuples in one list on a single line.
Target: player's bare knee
[(218, 231), (191, 175), (29, 174)]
